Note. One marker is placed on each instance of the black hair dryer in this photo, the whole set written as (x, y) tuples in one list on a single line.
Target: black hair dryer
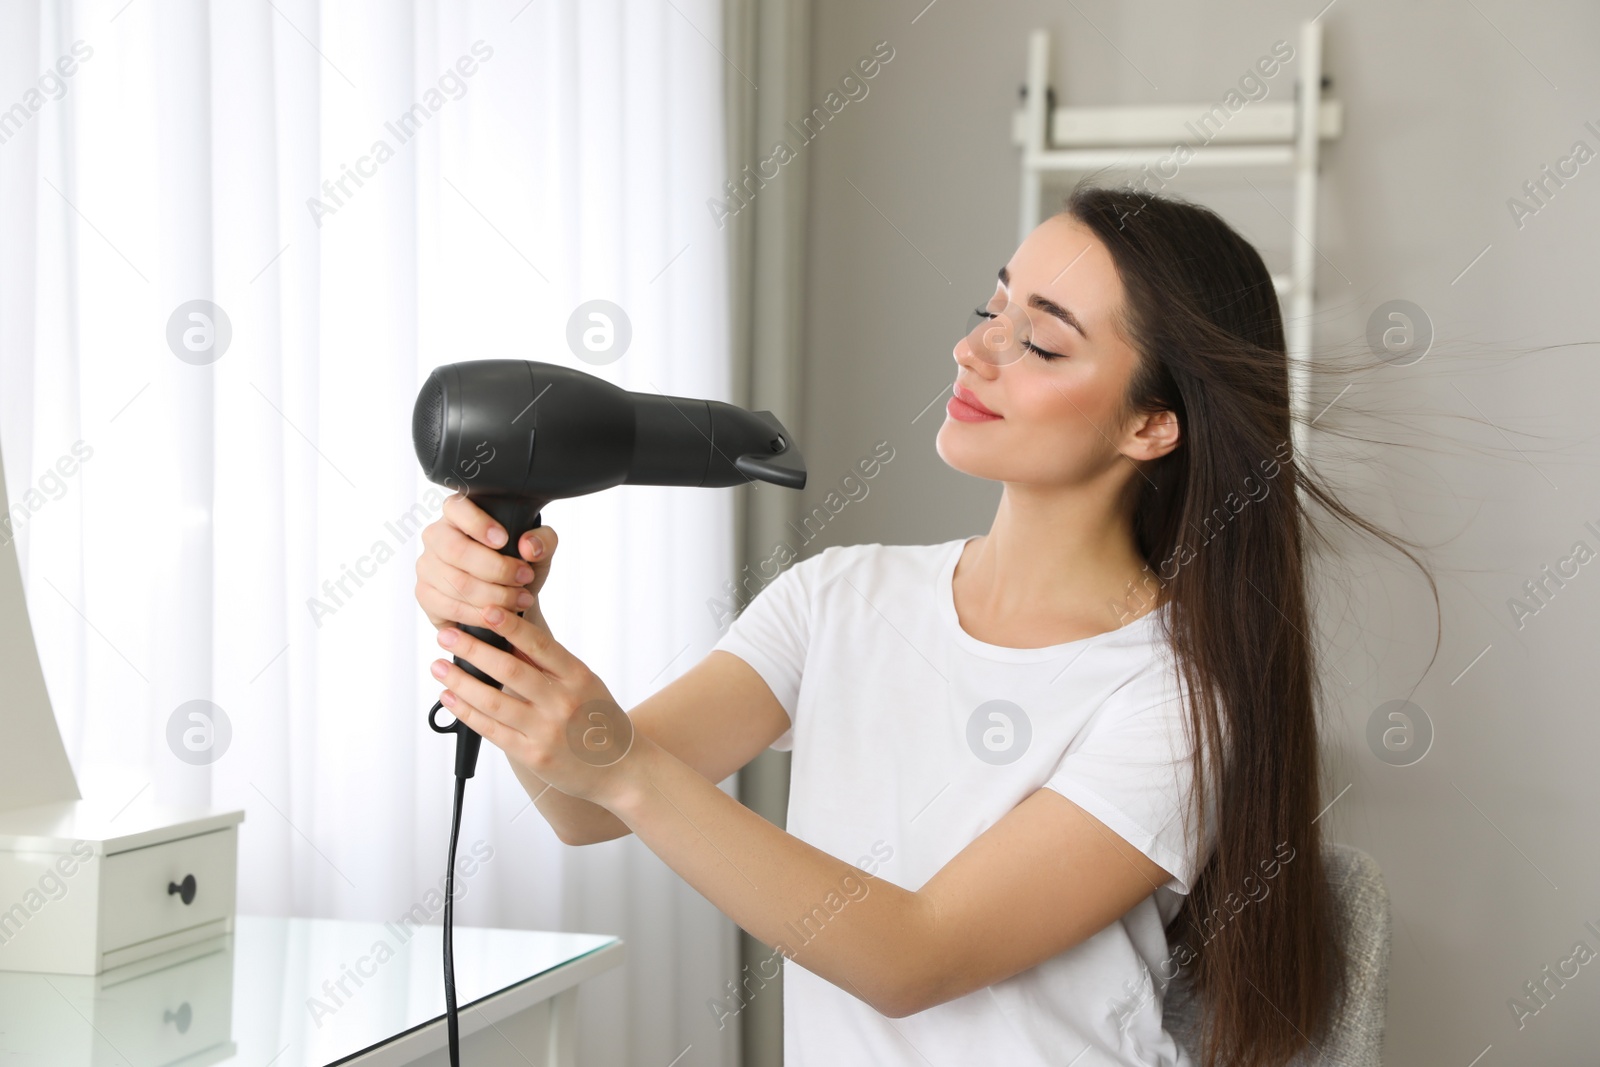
[(515, 434)]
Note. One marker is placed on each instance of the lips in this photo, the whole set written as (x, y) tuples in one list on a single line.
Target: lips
[(968, 397)]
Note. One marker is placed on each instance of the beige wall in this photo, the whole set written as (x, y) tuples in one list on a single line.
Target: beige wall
[(1488, 843)]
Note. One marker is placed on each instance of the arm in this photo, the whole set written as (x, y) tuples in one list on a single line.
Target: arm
[(715, 717), (1043, 879)]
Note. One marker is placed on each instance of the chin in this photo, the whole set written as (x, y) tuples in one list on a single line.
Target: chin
[(957, 444)]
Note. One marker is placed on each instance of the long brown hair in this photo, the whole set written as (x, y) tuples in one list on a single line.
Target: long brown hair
[(1202, 314)]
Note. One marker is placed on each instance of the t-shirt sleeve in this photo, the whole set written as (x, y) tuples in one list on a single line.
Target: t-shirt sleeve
[(771, 635), (1134, 772)]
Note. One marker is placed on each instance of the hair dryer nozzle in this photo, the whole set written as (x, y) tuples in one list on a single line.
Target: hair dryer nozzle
[(759, 446)]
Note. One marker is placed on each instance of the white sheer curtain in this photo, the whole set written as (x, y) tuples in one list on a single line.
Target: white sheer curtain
[(254, 154)]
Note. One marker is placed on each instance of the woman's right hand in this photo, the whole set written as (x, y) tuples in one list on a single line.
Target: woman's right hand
[(462, 571)]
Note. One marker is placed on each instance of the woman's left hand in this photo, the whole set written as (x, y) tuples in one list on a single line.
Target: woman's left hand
[(555, 716)]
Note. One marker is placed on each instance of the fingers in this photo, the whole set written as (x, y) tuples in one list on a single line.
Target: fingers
[(444, 609), (453, 545), (502, 706), (470, 519), (462, 535), (440, 610), (537, 546), (536, 657), (450, 583), (485, 726), (539, 543), (530, 636), (461, 571)]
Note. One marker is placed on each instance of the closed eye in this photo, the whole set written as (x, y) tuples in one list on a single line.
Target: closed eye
[(1043, 353)]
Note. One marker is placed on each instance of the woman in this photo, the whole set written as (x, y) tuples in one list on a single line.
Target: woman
[(1038, 774)]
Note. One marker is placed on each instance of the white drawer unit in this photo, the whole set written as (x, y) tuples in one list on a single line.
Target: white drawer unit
[(168, 1009), (84, 888)]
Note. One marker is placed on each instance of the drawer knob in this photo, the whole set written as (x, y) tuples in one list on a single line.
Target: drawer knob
[(180, 1018), (184, 889)]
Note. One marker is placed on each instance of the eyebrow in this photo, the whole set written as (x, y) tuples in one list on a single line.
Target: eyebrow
[(1048, 306)]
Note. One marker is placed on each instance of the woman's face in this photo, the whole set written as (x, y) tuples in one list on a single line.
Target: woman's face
[(1054, 369)]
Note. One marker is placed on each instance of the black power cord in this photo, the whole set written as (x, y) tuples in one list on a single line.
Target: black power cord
[(517, 515), (467, 745), (451, 1012)]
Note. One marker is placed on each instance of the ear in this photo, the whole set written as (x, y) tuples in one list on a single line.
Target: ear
[(1151, 435)]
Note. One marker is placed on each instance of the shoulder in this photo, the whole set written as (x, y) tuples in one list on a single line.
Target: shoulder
[(1152, 707), (876, 563), (1157, 680)]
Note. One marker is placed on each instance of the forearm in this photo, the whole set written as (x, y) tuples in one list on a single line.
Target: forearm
[(575, 821), (863, 934)]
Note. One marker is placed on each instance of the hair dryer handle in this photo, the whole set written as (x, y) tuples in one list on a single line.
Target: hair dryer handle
[(518, 515)]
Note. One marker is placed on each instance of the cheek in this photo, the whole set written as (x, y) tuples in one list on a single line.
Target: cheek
[(1069, 412), (1066, 401)]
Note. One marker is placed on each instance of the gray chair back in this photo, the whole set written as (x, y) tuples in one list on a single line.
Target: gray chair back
[(1356, 1038)]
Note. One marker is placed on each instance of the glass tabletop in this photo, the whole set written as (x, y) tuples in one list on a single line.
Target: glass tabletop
[(277, 992)]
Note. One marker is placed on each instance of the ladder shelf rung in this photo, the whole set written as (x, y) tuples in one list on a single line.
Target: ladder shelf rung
[(1164, 125), (1208, 156)]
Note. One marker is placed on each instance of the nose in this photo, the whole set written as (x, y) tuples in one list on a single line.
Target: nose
[(966, 355), (991, 342)]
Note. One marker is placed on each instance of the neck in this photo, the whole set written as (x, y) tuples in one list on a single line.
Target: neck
[(1059, 552)]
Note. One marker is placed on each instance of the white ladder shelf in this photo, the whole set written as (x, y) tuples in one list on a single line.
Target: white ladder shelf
[(1285, 135)]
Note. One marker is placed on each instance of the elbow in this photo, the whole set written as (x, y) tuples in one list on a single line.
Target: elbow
[(896, 1008), (909, 1000), (903, 1000), (567, 836), (920, 978), (924, 980), (911, 990), (572, 835)]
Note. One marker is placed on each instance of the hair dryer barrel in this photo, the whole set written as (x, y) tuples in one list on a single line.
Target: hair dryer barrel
[(507, 427), (514, 427)]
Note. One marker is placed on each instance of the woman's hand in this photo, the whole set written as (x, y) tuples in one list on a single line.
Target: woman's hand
[(461, 570), (555, 716)]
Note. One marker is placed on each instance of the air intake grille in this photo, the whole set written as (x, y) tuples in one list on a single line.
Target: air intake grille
[(427, 422)]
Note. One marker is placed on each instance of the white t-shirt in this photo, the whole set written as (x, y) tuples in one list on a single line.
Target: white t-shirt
[(910, 737)]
